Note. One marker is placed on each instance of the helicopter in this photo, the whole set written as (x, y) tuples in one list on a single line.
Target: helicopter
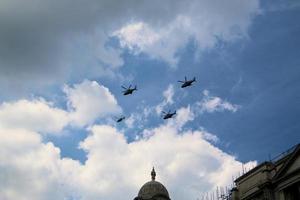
[(128, 90), (186, 82), (119, 119), (169, 114)]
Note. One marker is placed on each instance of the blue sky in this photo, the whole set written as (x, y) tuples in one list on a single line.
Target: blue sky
[(61, 77), (259, 73)]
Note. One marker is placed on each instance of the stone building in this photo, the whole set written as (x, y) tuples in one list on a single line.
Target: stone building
[(153, 190), (272, 180)]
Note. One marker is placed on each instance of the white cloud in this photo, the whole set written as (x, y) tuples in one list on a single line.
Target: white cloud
[(210, 137), (36, 115), (204, 21), (89, 100), (158, 42), (185, 162), (173, 153), (168, 99), (168, 94), (136, 36), (184, 115), (137, 120), (114, 169), (130, 121), (29, 168), (212, 104), (74, 38)]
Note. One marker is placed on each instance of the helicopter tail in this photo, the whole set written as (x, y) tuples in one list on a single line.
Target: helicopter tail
[(194, 79)]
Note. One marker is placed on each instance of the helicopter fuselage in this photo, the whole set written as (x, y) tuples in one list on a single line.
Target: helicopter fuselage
[(128, 91), (187, 83), (169, 115), (120, 119)]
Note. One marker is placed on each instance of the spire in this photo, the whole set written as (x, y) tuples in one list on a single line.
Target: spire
[(153, 174)]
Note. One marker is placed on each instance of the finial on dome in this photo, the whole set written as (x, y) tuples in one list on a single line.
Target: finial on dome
[(153, 174)]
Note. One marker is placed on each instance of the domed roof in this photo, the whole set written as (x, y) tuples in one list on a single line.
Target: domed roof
[(153, 189)]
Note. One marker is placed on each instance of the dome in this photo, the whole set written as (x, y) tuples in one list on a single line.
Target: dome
[(153, 190)]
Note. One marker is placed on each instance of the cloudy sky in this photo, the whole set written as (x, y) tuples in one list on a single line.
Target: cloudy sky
[(62, 64)]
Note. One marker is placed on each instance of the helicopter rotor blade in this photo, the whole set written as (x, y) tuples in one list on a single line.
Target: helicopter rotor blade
[(124, 87), (129, 87), (181, 81)]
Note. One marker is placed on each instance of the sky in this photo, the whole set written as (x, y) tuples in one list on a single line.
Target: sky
[(62, 65)]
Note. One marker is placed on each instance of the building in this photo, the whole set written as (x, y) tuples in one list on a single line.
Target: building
[(278, 179), (153, 190)]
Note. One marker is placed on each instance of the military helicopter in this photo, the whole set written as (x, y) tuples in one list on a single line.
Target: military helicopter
[(128, 90), (169, 114), (119, 119), (186, 82)]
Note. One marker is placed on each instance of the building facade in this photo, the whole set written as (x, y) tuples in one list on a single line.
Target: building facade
[(271, 180)]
